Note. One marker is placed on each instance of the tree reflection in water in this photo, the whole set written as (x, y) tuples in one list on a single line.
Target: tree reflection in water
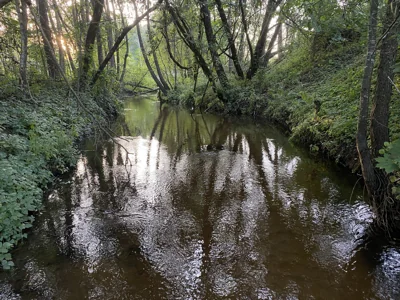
[(203, 207)]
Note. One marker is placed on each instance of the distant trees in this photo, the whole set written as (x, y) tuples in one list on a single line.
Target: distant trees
[(61, 37)]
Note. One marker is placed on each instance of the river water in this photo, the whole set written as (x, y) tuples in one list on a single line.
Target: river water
[(201, 207)]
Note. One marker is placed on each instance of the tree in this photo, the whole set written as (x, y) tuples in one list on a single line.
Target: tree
[(23, 24), (120, 38), (47, 38), (90, 38), (154, 47), (212, 43), (186, 34), (362, 131), (231, 40), (381, 101), (259, 50), (376, 181)]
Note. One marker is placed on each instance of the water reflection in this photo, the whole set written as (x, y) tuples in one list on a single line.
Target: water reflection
[(201, 207)]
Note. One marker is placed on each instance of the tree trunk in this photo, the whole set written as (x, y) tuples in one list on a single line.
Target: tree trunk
[(71, 61), (212, 43), (23, 25), (364, 154), (57, 29), (160, 75), (380, 107), (120, 38), (114, 22), (110, 39), (245, 31), (268, 54), (146, 59), (90, 38), (69, 32), (99, 42), (168, 45), (121, 79), (280, 42), (48, 48), (262, 40), (231, 39), (189, 40)]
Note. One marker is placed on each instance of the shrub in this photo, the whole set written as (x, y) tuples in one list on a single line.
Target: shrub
[(37, 140)]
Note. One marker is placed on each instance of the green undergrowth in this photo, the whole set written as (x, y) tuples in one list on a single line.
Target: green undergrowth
[(241, 98), (38, 139), (314, 97), (318, 101)]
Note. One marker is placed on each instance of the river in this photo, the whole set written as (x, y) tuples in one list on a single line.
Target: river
[(201, 207)]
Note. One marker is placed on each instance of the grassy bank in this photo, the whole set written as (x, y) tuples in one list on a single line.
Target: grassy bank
[(38, 140), (318, 101), (315, 99)]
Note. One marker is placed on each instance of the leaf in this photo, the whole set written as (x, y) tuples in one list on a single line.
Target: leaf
[(385, 164)]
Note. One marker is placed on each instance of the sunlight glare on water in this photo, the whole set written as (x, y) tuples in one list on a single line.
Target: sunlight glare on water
[(201, 207)]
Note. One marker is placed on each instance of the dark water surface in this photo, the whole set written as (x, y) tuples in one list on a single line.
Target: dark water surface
[(202, 207)]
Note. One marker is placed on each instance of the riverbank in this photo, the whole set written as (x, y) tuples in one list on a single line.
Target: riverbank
[(314, 99), (257, 216), (39, 137)]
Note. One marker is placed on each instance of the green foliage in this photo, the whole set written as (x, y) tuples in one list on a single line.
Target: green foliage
[(243, 99), (294, 84), (37, 140), (390, 162)]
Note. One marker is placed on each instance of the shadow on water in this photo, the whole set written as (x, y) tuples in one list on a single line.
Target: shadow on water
[(202, 207)]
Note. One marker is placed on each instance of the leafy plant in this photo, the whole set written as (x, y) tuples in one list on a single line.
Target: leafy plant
[(390, 162), (37, 140)]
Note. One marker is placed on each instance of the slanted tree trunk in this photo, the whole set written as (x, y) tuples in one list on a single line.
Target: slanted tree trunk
[(187, 37), (231, 40), (121, 79), (245, 31), (99, 42), (212, 43), (46, 32), (171, 54), (68, 30), (280, 42), (268, 55), (381, 101), (162, 88), (58, 31), (23, 25), (110, 39), (120, 38), (71, 61), (90, 38), (364, 153), (262, 39), (153, 50)]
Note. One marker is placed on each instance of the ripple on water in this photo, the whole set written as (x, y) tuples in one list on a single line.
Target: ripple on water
[(250, 217)]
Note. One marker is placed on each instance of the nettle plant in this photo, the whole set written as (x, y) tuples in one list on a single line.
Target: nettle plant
[(390, 163)]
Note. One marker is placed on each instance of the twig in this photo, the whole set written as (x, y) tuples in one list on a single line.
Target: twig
[(387, 30), (391, 81)]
